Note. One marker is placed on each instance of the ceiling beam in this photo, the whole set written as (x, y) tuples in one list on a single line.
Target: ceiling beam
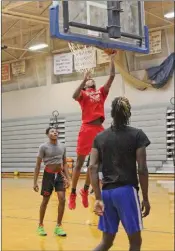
[(161, 18), (37, 55), (169, 26), (11, 26), (25, 58), (8, 53), (13, 5), (27, 44), (48, 39), (45, 9), (23, 49), (23, 31), (21, 35), (16, 48), (27, 17), (66, 49), (15, 13)]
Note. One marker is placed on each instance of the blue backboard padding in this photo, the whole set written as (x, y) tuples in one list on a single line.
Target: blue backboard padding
[(55, 33)]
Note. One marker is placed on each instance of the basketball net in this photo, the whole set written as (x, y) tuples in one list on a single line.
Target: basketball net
[(84, 57)]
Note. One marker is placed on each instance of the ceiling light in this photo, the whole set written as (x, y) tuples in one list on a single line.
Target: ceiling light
[(38, 47), (169, 15)]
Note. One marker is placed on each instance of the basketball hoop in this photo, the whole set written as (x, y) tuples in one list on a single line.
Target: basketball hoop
[(85, 57)]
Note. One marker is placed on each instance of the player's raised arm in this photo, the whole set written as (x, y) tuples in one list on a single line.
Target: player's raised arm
[(111, 76), (77, 93)]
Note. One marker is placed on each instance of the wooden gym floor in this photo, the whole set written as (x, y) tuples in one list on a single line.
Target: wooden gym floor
[(20, 207)]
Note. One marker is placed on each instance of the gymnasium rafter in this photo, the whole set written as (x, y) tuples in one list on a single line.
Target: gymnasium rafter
[(27, 22)]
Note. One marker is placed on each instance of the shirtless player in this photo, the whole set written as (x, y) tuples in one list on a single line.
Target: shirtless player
[(55, 176), (92, 102)]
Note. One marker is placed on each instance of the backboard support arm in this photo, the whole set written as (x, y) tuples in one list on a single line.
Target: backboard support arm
[(100, 29), (114, 28), (65, 16)]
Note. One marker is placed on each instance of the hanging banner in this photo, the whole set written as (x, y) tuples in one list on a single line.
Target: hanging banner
[(5, 72), (155, 41), (18, 68), (102, 57), (63, 64), (85, 59)]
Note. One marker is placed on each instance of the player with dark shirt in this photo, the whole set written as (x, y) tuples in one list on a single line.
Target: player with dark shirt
[(117, 150)]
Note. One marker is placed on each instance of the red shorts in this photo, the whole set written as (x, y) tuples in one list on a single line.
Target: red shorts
[(86, 138)]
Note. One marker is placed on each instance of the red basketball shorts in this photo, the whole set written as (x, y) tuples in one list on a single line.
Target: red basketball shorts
[(86, 138)]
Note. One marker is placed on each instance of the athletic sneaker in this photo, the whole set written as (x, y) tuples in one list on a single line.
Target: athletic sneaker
[(72, 201), (84, 197), (41, 231), (59, 231)]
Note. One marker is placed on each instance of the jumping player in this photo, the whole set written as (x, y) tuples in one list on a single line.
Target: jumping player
[(55, 176), (118, 149), (92, 105)]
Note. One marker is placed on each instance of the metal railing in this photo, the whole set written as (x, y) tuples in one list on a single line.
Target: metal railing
[(170, 120)]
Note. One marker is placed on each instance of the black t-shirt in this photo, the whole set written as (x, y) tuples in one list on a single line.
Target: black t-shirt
[(117, 155)]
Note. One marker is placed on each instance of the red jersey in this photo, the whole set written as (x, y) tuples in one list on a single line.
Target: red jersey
[(92, 104)]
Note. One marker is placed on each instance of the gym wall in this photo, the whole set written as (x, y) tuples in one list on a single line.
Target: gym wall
[(38, 92)]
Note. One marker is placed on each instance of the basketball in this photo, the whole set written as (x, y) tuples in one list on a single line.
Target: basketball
[(16, 173), (110, 51)]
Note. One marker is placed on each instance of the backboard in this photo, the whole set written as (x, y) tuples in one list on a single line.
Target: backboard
[(103, 24)]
